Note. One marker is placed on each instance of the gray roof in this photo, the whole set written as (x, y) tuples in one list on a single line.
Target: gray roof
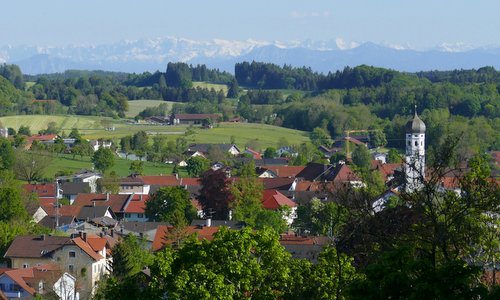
[(75, 188), (217, 223), (416, 125), (141, 226), (92, 212)]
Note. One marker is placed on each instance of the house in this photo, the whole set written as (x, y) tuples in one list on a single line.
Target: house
[(116, 202), (89, 213), (255, 154), (316, 171), (144, 230), (98, 144), (342, 174), (84, 256), (278, 171), (286, 151), (279, 183), (42, 190), (304, 247), (42, 138), (328, 152), (134, 209), (44, 280), (133, 185), (382, 157), (83, 175), (204, 149), (274, 200), (193, 119), (69, 190)]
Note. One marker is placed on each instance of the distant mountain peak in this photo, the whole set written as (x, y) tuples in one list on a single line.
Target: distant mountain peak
[(153, 54)]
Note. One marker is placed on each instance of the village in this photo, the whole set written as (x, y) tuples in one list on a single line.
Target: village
[(90, 224)]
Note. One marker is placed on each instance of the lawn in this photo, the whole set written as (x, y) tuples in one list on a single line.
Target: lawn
[(136, 106), (65, 162)]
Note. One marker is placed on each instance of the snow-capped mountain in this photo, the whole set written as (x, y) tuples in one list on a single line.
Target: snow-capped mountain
[(323, 56)]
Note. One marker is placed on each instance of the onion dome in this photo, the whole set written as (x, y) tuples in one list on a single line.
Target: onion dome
[(416, 125)]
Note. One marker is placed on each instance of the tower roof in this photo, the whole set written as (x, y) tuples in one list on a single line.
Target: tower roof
[(416, 125)]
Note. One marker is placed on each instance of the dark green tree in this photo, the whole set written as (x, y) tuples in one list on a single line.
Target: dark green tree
[(361, 157), (7, 157), (196, 166), (103, 159), (171, 204)]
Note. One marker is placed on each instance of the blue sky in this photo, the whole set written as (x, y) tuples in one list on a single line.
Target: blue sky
[(418, 23)]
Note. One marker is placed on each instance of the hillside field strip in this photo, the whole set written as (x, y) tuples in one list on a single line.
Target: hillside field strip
[(136, 106), (92, 127)]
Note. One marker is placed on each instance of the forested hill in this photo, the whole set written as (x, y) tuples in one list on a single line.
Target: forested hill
[(361, 97)]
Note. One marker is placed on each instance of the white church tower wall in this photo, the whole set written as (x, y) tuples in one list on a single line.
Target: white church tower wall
[(415, 153)]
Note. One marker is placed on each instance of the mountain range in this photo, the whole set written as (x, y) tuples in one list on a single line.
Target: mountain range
[(321, 56)]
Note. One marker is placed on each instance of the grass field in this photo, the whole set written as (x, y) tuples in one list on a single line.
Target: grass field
[(214, 86), (66, 163), (136, 106), (92, 128)]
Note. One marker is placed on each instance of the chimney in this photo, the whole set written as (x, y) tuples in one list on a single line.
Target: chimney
[(112, 234), (107, 196), (209, 222), (42, 237), (177, 176)]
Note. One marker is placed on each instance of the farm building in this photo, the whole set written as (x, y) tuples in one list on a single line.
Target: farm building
[(193, 119)]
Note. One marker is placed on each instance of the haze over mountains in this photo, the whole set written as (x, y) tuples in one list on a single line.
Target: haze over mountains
[(322, 56)]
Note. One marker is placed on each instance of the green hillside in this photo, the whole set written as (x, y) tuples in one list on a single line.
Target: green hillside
[(92, 127), (136, 106)]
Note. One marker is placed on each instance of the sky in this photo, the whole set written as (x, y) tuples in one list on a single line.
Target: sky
[(417, 24)]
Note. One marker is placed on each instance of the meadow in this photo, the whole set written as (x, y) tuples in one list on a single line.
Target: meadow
[(92, 127), (136, 106)]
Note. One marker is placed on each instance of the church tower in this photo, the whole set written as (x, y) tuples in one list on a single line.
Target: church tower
[(415, 153)]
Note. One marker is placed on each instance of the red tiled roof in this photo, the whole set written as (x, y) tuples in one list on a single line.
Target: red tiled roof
[(272, 199), (63, 210), (18, 275), (304, 185), (137, 204), (255, 154), (96, 243), (87, 249), (165, 180), (285, 171), (189, 181), (116, 202), (47, 201), (344, 173), (43, 190), (42, 137)]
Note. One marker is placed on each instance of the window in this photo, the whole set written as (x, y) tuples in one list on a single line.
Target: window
[(409, 143), (71, 268), (127, 215), (421, 143), (140, 216), (72, 254), (416, 143), (26, 265)]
